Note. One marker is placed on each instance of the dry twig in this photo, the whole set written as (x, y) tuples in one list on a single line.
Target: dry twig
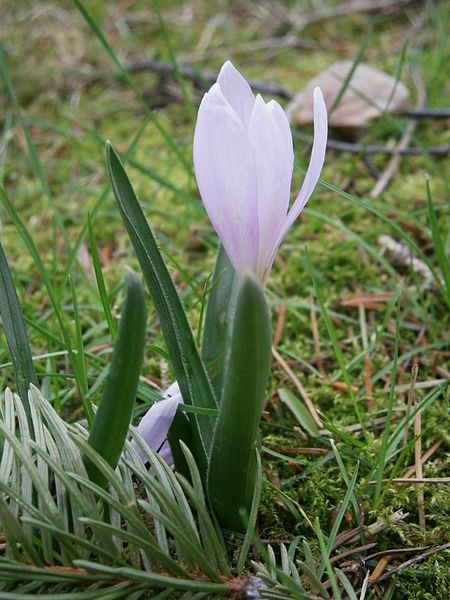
[(418, 463), (411, 470), (303, 393), (315, 333), (395, 160), (414, 372)]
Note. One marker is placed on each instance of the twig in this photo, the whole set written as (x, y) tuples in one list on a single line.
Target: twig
[(418, 463), (442, 150), (422, 385), (409, 480), (395, 552), (367, 362), (350, 537), (412, 385), (411, 470), (395, 160), (413, 561), (402, 255), (315, 333), (351, 552), (279, 327), (202, 79), (303, 393), (365, 586), (341, 10)]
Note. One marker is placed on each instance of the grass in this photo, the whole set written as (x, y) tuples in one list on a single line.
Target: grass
[(65, 92)]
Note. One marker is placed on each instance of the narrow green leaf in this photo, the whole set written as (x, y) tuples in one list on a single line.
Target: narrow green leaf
[(233, 465), (16, 334), (80, 345), (252, 517), (180, 431), (349, 76), (100, 280), (113, 416), (336, 347), (338, 520), (59, 313), (384, 450), (326, 561), (438, 243), (137, 92), (219, 319), (189, 370), (300, 411)]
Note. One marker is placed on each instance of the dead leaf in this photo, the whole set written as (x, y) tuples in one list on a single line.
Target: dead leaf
[(369, 93)]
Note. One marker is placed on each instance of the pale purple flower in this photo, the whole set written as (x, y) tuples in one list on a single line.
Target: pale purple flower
[(243, 160), (155, 424)]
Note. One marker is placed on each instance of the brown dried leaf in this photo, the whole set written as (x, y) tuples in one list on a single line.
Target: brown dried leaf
[(369, 93)]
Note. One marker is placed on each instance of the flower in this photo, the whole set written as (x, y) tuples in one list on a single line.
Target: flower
[(155, 424), (243, 161)]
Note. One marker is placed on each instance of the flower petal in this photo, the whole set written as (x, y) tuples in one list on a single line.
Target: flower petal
[(156, 423), (237, 91), (225, 171), (172, 390), (271, 138), (315, 163)]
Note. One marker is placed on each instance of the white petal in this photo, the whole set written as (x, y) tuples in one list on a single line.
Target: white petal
[(237, 91), (271, 139), (225, 171), (315, 163), (172, 390), (155, 424)]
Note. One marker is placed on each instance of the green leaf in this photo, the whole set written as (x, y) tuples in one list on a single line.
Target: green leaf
[(180, 431), (438, 243), (151, 115), (113, 416), (189, 370), (300, 411), (219, 319), (16, 334), (233, 466), (100, 280)]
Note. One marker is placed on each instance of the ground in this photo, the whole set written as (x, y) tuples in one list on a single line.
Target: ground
[(67, 94)]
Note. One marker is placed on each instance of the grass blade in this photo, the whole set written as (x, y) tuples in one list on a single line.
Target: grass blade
[(125, 75), (218, 321), (189, 369), (438, 242), (233, 465), (113, 416), (16, 334), (100, 280)]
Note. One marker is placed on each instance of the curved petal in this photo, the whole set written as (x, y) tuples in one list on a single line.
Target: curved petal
[(156, 423), (237, 91), (271, 138), (316, 161), (172, 390), (225, 171)]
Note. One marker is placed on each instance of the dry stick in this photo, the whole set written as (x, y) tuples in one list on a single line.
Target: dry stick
[(303, 393), (411, 470), (418, 463), (367, 362), (279, 327), (395, 160), (315, 333), (414, 560), (414, 372), (409, 480), (343, 9)]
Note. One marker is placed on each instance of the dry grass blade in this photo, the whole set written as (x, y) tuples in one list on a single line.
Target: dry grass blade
[(303, 393)]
